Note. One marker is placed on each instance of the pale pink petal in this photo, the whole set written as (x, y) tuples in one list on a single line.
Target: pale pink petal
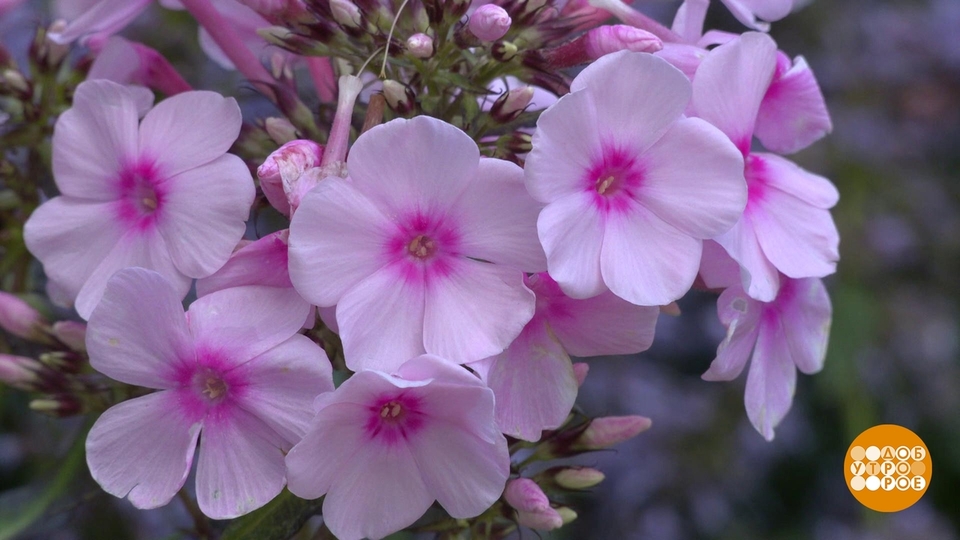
[(282, 384), (793, 114), (430, 367), (760, 278), (771, 380), (328, 315), (571, 232), (381, 321), (731, 83), (602, 325), (138, 333), (337, 239), (241, 464), (143, 448), (797, 238), (336, 435), (377, 478), (405, 177), (188, 130), (785, 175), (71, 238), (224, 323), (498, 219), (474, 311), (646, 261), (465, 473), (693, 179), (768, 10), (684, 57), (94, 138), (740, 314), (104, 17), (263, 262), (717, 269), (203, 213), (534, 383), (688, 22), (614, 82), (564, 145), (143, 248), (118, 61), (806, 313)]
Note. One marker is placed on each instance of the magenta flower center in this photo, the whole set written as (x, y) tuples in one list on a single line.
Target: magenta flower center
[(614, 177), (394, 418), (139, 196), (210, 385), (422, 247)]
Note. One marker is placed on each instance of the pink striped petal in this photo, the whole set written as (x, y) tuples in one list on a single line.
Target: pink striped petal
[(793, 114), (771, 380)]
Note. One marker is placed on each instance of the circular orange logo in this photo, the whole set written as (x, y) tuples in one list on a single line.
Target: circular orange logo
[(888, 468)]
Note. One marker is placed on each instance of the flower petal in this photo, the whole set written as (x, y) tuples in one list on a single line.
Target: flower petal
[(740, 314), (646, 261), (474, 311), (94, 138), (335, 218), (103, 17), (693, 179), (760, 278), (785, 175), (771, 380), (143, 448), (799, 239), (188, 130), (336, 434), (731, 83), (793, 114), (571, 232), (135, 344), (806, 313), (498, 218), (282, 384), (204, 213), (241, 464), (263, 262)]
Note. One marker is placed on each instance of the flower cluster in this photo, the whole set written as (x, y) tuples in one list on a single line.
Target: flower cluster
[(447, 261)]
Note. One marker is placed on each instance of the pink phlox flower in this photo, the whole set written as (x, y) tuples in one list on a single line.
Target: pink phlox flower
[(786, 226), (383, 447), (631, 186), (534, 380), (422, 248), (779, 337), (127, 62), (233, 369), (161, 193)]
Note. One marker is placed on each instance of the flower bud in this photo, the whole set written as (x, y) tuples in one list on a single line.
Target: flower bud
[(346, 13), (62, 361), (489, 22), (580, 370), (510, 104), (420, 45), (618, 37), (543, 520), (610, 430), (19, 371), (578, 477), (284, 166), (280, 130), (60, 405), (73, 334), (13, 82), (400, 98), (566, 514), (525, 495), (504, 51), (20, 318), (55, 52)]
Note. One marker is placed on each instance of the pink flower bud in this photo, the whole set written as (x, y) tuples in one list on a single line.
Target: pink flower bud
[(578, 477), (525, 495), (19, 371), (73, 334), (544, 520), (346, 13), (290, 161), (19, 318), (618, 37), (489, 22), (280, 130), (580, 370), (420, 45), (610, 430)]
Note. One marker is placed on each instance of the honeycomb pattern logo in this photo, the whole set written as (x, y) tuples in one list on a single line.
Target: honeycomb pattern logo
[(888, 468)]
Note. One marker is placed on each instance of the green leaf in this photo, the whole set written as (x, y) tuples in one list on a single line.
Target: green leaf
[(280, 519), (15, 518)]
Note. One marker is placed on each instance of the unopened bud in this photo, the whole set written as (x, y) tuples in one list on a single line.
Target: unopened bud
[(284, 166), (619, 37), (510, 104), (566, 514), (544, 520), (610, 430), (62, 361), (20, 318), (580, 370), (15, 82), (399, 97), (73, 334), (518, 142), (346, 13), (54, 52), (504, 51), (19, 371), (578, 477), (60, 405), (420, 45), (489, 22), (524, 494), (280, 130)]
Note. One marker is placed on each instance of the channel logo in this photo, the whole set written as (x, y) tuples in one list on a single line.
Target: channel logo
[(888, 468)]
